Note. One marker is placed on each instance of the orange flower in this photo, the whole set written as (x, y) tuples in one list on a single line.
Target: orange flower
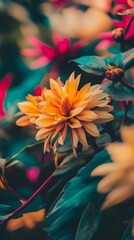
[(30, 109), (29, 221), (69, 110), (119, 175)]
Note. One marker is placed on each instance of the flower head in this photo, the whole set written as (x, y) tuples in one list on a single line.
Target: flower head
[(30, 110), (118, 178), (65, 109), (45, 54)]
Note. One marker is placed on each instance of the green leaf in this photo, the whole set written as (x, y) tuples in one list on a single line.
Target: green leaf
[(12, 163), (98, 65), (75, 197), (89, 221), (14, 203), (21, 147), (91, 64), (66, 146), (130, 113), (128, 233), (4, 208), (118, 92), (4, 217), (5, 211), (70, 163)]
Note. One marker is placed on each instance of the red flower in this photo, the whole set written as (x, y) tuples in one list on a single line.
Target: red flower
[(4, 85), (46, 54)]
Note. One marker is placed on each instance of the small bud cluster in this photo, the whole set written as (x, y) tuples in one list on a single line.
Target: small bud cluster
[(115, 74)]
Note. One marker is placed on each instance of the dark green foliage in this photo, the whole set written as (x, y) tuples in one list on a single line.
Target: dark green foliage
[(79, 194), (128, 233), (118, 92), (130, 113), (11, 203)]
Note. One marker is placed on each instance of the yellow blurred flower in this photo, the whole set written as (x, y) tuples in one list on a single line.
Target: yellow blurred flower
[(29, 221), (118, 178), (69, 110)]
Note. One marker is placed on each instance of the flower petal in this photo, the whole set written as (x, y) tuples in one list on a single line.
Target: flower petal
[(91, 128), (74, 123), (127, 134), (121, 152), (87, 115), (82, 136), (23, 121)]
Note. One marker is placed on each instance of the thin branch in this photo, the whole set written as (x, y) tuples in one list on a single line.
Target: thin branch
[(28, 201), (127, 85)]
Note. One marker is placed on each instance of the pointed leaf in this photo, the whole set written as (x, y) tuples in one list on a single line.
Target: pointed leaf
[(89, 221), (118, 92), (98, 65)]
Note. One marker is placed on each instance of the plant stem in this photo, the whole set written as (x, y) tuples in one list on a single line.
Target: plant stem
[(28, 201), (127, 85), (127, 28), (23, 149), (14, 192), (9, 160)]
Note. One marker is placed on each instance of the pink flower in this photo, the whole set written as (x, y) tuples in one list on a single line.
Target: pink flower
[(121, 1), (106, 42), (4, 85), (45, 54), (123, 29), (33, 174), (127, 24), (37, 91), (58, 3)]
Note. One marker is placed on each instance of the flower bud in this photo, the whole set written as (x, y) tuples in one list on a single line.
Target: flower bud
[(118, 34), (115, 74)]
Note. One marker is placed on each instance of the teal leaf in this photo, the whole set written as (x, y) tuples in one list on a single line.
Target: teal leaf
[(12, 163), (100, 158), (75, 197), (5, 211), (128, 59), (4, 208), (70, 162), (66, 146), (130, 113), (27, 157), (4, 217), (128, 233), (89, 222), (13, 203), (118, 92), (91, 64), (98, 65)]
